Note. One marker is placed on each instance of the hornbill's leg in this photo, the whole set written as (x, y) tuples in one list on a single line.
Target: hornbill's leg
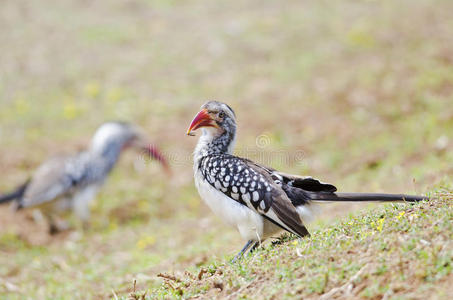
[(250, 243), (254, 247), (53, 226), (81, 205)]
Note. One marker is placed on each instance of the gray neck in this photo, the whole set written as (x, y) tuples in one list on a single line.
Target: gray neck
[(209, 144)]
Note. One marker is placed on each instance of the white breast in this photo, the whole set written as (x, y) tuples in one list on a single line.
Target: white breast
[(248, 222)]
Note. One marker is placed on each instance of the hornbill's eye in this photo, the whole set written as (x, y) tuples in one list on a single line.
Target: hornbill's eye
[(221, 114)]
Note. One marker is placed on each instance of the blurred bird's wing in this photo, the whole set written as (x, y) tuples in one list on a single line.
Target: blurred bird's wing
[(50, 181)]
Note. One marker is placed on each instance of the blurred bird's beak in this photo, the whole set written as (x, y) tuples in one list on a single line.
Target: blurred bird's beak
[(202, 119), (150, 151), (153, 152)]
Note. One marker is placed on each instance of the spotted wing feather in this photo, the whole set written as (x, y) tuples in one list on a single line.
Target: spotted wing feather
[(299, 189), (248, 184)]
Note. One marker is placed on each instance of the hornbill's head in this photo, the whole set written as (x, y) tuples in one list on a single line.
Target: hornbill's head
[(122, 135), (216, 118)]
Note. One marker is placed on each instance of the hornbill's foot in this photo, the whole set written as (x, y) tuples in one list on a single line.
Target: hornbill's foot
[(57, 226), (250, 244), (277, 242), (283, 239), (53, 229)]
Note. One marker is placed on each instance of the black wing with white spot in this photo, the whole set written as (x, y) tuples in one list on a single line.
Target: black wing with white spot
[(252, 186), (299, 189), (232, 176)]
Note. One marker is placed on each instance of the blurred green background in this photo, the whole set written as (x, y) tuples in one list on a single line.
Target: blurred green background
[(357, 93)]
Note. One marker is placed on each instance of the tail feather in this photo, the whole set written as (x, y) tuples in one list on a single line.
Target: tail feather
[(16, 194), (365, 197)]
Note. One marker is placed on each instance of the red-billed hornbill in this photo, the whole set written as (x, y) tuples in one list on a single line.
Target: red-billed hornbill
[(71, 182), (259, 201)]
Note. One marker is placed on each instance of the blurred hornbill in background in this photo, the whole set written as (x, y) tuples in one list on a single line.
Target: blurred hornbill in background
[(71, 182), (259, 201)]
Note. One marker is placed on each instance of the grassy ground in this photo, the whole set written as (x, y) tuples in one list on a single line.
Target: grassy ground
[(399, 251), (357, 93)]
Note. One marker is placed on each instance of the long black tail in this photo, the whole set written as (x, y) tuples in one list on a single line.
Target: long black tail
[(364, 197), (16, 194)]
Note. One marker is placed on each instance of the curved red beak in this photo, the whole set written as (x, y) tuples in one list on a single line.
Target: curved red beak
[(202, 119)]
